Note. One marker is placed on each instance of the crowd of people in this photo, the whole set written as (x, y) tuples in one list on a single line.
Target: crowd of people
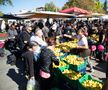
[(37, 41)]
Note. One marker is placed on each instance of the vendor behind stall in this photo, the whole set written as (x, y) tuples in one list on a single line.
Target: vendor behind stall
[(83, 48)]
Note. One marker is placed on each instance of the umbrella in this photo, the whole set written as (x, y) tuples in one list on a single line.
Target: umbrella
[(75, 10)]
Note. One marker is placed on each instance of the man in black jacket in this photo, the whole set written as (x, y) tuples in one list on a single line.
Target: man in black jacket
[(24, 37)]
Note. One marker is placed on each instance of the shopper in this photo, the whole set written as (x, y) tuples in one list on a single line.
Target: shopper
[(12, 34), (38, 38), (24, 37), (46, 60), (28, 56)]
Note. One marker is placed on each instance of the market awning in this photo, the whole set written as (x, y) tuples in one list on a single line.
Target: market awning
[(45, 14), (104, 17), (75, 10), (10, 16)]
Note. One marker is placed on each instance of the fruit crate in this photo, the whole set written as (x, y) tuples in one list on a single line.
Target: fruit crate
[(80, 68), (73, 83), (84, 78), (58, 71), (64, 55), (61, 68)]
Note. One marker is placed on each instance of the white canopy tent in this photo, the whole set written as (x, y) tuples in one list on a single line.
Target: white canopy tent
[(45, 14), (105, 17)]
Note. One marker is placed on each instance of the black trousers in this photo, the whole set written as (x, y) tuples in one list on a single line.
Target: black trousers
[(107, 71), (81, 52), (46, 84)]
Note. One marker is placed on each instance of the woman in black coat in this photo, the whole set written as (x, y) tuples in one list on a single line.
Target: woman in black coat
[(46, 60)]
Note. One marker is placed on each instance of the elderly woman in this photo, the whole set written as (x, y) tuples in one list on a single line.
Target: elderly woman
[(38, 38)]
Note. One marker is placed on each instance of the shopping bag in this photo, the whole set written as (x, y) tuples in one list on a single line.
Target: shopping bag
[(31, 84), (44, 74)]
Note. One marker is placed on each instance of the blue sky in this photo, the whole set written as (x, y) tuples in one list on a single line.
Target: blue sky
[(29, 4)]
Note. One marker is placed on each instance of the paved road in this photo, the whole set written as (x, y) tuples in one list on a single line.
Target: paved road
[(11, 77)]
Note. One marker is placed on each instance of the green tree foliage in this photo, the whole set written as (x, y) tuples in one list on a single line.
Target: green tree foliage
[(90, 5), (99, 7), (51, 7), (105, 6), (1, 14), (5, 2)]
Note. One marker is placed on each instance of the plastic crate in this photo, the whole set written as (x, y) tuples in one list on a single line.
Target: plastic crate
[(69, 81), (58, 71), (76, 67), (64, 55), (84, 78), (73, 83), (83, 70), (63, 68), (80, 68)]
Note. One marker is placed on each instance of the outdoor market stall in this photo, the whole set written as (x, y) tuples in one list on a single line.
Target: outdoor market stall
[(45, 14), (75, 10)]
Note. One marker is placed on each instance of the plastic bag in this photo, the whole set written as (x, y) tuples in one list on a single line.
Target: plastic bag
[(31, 84)]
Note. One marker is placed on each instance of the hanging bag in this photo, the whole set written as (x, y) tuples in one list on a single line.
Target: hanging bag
[(31, 84), (44, 74)]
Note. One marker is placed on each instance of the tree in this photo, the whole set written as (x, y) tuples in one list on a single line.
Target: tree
[(51, 7), (90, 5), (105, 6), (99, 7), (5, 2)]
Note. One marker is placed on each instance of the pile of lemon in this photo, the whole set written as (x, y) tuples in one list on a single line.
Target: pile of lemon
[(58, 54), (66, 46), (56, 49), (72, 74), (92, 85), (95, 37), (73, 59)]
